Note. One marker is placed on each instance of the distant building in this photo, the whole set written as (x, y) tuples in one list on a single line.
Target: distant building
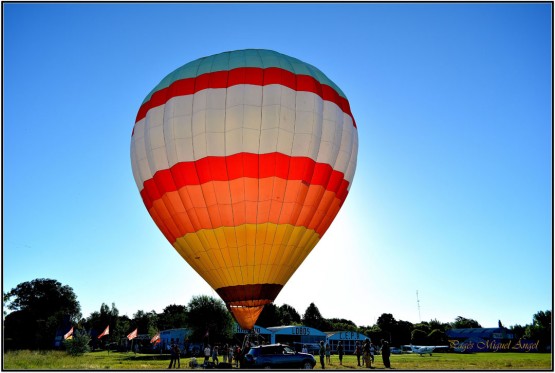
[(487, 340), (177, 336), (348, 338), (297, 335), (265, 334), (484, 333)]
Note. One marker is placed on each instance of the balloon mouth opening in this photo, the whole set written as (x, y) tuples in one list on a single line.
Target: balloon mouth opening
[(246, 316), (245, 302)]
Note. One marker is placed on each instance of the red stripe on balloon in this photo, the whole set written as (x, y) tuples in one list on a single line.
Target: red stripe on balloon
[(245, 75), (240, 165)]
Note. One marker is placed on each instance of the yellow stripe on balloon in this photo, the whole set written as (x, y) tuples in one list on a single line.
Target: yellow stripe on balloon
[(247, 254)]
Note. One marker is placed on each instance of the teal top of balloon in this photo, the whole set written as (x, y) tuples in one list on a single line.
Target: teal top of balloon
[(260, 58)]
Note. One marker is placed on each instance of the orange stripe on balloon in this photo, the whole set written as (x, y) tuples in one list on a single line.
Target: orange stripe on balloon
[(270, 200), (258, 166)]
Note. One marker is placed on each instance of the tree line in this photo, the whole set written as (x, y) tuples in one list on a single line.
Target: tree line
[(43, 308)]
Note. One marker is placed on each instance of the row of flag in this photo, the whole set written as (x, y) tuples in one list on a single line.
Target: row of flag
[(130, 336)]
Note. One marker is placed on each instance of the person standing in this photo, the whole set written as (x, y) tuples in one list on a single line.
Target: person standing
[(172, 357), (177, 352), (215, 355), (322, 353), (386, 352), (237, 355), (357, 352), (366, 353), (340, 352), (224, 353), (304, 350), (328, 353), (372, 351), (206, 354)]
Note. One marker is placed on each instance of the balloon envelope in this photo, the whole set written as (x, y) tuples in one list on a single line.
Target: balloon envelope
[(243, 159)]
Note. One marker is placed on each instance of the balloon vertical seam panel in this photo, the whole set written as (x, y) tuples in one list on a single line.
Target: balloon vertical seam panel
[(243, 160)]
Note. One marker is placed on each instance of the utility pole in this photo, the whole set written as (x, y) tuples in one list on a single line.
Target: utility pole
[(418, 305)]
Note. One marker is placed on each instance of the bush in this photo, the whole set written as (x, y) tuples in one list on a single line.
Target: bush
[(78, 345), (419, 337)]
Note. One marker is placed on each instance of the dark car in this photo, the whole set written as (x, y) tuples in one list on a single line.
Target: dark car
[(277, 356)]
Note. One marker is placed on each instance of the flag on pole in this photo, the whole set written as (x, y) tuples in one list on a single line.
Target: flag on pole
[(105, 332), (155, 339), (69, 335), (133, 334)]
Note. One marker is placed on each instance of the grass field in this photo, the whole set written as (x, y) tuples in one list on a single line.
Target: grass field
[(102, 360)]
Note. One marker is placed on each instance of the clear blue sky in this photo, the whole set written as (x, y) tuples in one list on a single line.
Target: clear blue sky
[(453, 191)]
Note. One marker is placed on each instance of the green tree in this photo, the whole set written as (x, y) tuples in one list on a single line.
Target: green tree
[(386, 322), (402, 332), (396, 332), (375, 333), (436, 324), (79, 344), (388, 325), (336, 320), (145, 322), (208, 314), (174, 316), (424, 326), (419, 337), (462, 323), (437, 337), (39, 307), (313, 318), (337, 324), (99, 320), (289, 315), (540, 329), (123, 327), (270, 316), (518, 331)]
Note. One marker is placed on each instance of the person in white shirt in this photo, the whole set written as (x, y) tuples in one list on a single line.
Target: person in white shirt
[(207, 353)]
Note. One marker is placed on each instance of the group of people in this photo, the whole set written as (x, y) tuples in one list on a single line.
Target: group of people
[(366, 351), (233, 353), (229, 354), (175, 353)]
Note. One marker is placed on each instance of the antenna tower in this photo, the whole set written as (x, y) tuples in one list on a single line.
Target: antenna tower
[(418, 305)]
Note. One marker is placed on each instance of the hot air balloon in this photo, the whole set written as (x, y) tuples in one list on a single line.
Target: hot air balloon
[(243, 159)]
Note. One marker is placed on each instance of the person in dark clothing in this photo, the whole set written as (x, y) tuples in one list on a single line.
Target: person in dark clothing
[(358, 352), (340, 352), (237, 355), (172, 357), (386, 352), (322, 353), (177, 352)]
